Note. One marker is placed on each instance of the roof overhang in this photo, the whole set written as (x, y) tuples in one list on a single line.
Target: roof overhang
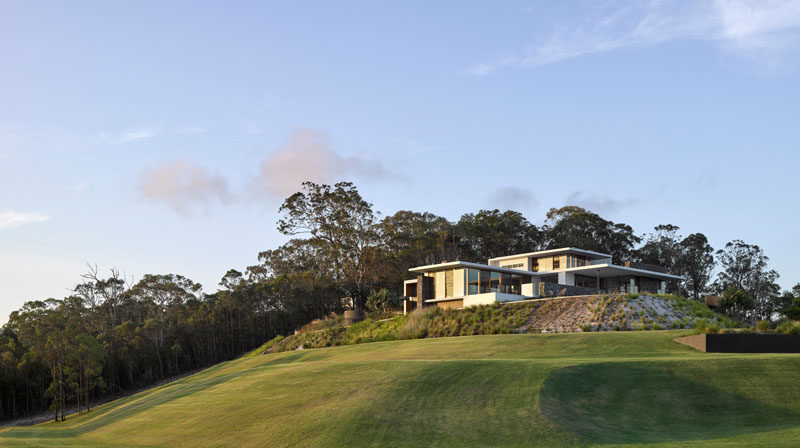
[(612, 270), (561, 250), (603, 270), (467, 264)]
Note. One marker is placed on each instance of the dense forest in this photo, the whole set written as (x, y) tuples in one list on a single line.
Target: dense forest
[(113, 335)]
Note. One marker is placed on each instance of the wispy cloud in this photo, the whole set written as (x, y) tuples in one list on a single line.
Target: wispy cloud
[(10, 219), (763, 30), (308, 156), (182, 186), (600, 204), (191, 129), (127, 136), (511, 198)]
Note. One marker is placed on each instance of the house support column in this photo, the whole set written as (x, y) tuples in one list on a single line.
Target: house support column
[(632, 288)]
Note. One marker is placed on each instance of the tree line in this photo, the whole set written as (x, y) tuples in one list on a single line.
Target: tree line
[(113, 335)]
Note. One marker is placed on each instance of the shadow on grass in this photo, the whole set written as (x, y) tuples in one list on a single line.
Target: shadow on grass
[(452, 404), (630, 402), (129, 406)]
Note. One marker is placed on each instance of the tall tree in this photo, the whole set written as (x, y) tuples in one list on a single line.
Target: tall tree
[(160, 294), (573, 226), (661, 248), (695, 264), (744, 266), (343, 223), (491, 233)]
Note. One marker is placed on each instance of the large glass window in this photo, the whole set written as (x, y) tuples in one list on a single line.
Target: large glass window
[(473, 279), (485, 281), (556, 263), (495, 283), (575, 261), (479, 281), (511, 284)]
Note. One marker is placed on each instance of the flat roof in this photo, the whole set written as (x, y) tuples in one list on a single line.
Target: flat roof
[(612, 270), (467, 264), (606, 270), (560, 250)]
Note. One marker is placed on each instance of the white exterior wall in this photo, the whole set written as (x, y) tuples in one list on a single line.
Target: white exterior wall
[(489, 298), (458, 282), (438, 285), (566, 278), (528, 289), (545, 264)]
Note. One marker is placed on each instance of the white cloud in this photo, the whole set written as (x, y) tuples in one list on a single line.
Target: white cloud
[(512, 198), (308, 157), (127, 136), (600, 204), (182, 185), (10, 219), (763, 31)]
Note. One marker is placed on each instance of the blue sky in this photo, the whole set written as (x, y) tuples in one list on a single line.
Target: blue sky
[(162, 136)]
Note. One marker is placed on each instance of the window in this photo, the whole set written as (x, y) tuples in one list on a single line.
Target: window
[(535, 265), (514, 266), (485, 277), (556, 263), (495, 282), (585, 281), (473, 277), (510, 284)]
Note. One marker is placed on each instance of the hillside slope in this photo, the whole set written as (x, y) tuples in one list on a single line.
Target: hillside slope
[(612, 388), (558, 315)]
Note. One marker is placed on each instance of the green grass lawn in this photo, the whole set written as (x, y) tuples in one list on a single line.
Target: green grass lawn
[(610, 389)]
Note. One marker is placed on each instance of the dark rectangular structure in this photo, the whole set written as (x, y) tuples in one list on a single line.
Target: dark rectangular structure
[(752, 343)]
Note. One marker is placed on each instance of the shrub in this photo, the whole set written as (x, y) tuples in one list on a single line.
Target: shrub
[(266, 346), (383, 300), (586, 328), (788, 327), (764, 326)]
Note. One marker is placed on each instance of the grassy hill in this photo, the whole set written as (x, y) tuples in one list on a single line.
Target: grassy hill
[(631, 312), (604, 388)]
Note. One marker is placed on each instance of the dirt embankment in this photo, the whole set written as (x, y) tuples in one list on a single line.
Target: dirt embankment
[(606, 313)]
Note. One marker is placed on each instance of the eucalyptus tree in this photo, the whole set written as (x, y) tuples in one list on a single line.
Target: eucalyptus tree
[(695, 264), (744, 266), (343, 224), (162, 294), (573, 226), (492, 233)]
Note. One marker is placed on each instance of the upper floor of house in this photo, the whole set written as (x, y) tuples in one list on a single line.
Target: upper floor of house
[(551, 260), (565, 258)]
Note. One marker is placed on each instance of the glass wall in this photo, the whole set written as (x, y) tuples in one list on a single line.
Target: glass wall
[(574, 261), (481, 281), (485, 281), (511, 284), (473, 280)]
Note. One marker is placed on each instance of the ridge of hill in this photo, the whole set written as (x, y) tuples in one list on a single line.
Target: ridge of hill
[(579, 389), (627, 312)]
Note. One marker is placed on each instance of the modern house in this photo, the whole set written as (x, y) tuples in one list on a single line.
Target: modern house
[(548, 273)]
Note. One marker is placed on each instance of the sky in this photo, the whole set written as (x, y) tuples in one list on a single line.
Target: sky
[(162, 137)]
